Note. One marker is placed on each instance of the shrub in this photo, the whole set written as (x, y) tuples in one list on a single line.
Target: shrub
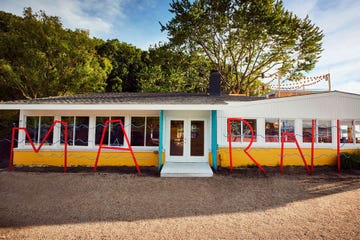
[(350, 160)]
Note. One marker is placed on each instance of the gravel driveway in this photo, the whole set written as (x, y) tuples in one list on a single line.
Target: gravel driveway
[(122, 205)]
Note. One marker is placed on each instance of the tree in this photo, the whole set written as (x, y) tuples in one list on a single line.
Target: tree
[(246, 40), (126, 63), (39, 58), (170, 69)]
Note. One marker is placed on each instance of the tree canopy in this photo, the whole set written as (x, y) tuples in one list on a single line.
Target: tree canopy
[(127, 61), (38, 57), (245, 40), (168, 69)]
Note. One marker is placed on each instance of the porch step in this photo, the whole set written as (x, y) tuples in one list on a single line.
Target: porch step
[(186, 169)]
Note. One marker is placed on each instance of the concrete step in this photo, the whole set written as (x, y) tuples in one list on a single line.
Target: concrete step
[(186, 169)]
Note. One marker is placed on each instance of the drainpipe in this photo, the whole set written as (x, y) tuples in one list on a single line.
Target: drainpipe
[(214, 139), (161, 138)]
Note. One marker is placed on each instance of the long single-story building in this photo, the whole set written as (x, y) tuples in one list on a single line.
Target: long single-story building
[(186, 134)]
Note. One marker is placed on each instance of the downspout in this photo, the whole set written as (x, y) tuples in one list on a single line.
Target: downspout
[(161, 139), (214, 139)]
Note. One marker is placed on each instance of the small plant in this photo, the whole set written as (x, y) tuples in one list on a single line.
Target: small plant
[(350, 160)]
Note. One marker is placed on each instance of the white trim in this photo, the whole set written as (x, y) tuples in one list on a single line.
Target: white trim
[(187, 117)]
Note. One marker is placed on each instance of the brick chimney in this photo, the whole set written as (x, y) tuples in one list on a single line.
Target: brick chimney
[(215, 83)]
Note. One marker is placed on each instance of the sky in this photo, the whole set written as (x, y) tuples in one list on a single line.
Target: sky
[(137, 22)]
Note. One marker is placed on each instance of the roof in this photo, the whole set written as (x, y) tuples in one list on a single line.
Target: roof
[(129, 100)]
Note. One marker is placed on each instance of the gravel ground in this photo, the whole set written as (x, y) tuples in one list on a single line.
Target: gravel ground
[(124, 205)]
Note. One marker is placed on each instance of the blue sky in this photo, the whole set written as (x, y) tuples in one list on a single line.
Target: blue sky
[(137, 22)]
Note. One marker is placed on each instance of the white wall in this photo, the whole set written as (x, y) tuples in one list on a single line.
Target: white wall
[(326, 106), (332, 105)]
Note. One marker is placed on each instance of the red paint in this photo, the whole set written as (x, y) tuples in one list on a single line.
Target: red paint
[(247, 148), (292, 136), (129, 148), (37, 149)]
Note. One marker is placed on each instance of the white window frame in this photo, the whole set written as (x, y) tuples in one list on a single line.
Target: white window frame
[(113, 117), (38, 141), (145, 130)]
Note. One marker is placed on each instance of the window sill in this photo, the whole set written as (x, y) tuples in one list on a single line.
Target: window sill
[(83, 149)]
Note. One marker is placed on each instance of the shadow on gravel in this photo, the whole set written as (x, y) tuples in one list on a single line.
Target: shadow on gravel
[(45, 196)]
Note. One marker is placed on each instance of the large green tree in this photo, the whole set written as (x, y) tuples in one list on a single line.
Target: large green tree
[(38, 57), (126, 63), (170, 69), (246, 39)]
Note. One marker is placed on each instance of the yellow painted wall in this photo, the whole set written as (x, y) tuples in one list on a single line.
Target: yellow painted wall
[(56, 158), (271, 157), (264, 156)]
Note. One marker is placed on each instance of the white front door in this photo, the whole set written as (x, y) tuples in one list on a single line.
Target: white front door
[(186, 140)]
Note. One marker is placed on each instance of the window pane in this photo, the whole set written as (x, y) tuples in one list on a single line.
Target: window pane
[(46, 123), (307, 130), (235, 129), (100, 122), (116, 133), (152, 131), (246, 130), (197, 138), (82, 131), (288, 126), (346, 132), (271, 130), (357, 131), (32, 126), (70, 121), (176, 138), (38, 127), (324, 131), (137, 131)]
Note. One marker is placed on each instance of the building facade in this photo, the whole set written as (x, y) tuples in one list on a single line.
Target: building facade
[(186, 130)]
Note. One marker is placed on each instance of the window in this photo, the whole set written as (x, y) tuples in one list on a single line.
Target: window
[(38, 127), (346, 131), (271, 130), (144, 131), (357, 131), (197, 138), (152, 131), (137, 131), (114, 135), (240, 132), (324, 131), (235, 129), (307, 130), (288, 126), (78, 130)]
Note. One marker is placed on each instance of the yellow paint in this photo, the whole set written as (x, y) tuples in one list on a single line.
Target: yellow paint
[(271, 157), (56, 158), (264, 156)]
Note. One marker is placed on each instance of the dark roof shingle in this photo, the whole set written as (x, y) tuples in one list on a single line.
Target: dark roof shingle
[(137, 98)]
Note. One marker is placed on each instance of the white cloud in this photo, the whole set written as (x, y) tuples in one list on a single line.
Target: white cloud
[(350, 86), (92, 15), (300, 9), (340, 22)]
